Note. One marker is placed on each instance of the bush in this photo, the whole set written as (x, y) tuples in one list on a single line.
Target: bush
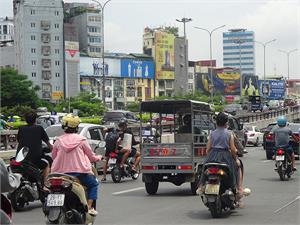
[(94, 120), (18, 110), (17, 124), (219, 108), (145, 117)]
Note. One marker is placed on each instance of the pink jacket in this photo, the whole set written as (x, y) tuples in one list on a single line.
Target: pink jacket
[(72, 153)]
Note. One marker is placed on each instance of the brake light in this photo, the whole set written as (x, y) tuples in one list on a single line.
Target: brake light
[(149, 167), (280, 152), (56, 182), (113, 155), (269, 137), (185, 167), (212, 170)]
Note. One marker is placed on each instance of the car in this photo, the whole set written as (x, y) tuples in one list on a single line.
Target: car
[(93, 133), (266, 131), (270, 140), (233, 109), (113, 117), (254, 136), (274, 104), (289, 102)]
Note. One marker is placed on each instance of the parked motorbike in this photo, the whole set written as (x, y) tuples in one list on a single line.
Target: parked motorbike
[(31, 187), (283, 163), (218, 195), (67, 201), (117, 173)]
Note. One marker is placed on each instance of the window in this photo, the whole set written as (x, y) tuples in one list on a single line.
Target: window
[(94, 39), (46, 91), (33, 62), (130, 83), (108, 93), (169, 84), (46, 63), (190, 75), (56, 25), (108, 82), (57, 88), (139, 92), (32, 24), (94, 134), (56, 51), (56, 13), (46, 74), (94, 29), (32, 37), (33, 50), (95, 49), (57, 75), (94, 18), (130, 93), (45, 38), (33, 74), (190, 86), (56, 63), (161, 84), (32, 12), (56, 38), (46, 50)]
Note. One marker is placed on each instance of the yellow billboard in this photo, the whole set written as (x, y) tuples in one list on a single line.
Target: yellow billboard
[(56, 95), (164, 55)]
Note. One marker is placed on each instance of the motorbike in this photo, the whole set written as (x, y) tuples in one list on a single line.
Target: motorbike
[(283, 163), (218, 194), (117, 173), (31, 187), (67, 201)]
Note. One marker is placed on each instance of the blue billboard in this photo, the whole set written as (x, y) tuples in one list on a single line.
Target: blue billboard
[(272, 89), (132, 68)]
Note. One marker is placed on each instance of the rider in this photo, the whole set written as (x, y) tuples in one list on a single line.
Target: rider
[(127, 151), (31, 136), (73, 155), (282, 137)]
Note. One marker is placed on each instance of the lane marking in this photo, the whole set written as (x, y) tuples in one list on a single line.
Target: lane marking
[(129, 190), (265, 161), (288, 204)]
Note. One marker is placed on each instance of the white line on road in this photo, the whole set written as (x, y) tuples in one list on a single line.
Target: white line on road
[(265, 161), (129, 190), (286, 205)]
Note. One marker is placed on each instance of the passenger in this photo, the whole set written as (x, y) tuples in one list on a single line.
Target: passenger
[(73, 155)]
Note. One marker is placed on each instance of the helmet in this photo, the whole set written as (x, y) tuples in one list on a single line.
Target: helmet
[(70, 121), (122, 123), (281, 121)]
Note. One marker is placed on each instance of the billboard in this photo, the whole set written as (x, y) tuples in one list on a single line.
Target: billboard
[(72, 51), (224, 83), (132, 68), (90, 66), (272, 89), (250, 85), (164, 55)]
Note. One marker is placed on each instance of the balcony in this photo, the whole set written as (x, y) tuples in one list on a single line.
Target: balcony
[(46, 63), (46, 50), (46, 74), (45, 25), (46, 38)]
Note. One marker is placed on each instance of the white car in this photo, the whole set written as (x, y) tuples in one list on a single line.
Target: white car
[(254, 136)]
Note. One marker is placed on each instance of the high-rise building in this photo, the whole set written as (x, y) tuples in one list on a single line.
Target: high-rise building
[(6, 29), (39, 45), (239, 50)]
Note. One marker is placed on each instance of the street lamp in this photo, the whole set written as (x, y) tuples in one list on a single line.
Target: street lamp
[(185, 20), (102, 53), (265, 45), (288, 59), (210, 53)]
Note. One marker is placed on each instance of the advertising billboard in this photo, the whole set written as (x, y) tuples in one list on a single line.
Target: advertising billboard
[(132, 68), (272, 89), (90, 66), (164, 55), (224, 83), (72, 51), (250, 85)]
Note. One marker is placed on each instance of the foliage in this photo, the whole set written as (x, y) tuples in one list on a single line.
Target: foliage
[(17, 124), (86, 103), (172, 30), (145, 117), (17, 90), (19, 110), (133, 107), (94, 120)]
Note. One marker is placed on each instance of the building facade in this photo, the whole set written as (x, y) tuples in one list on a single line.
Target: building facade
[(39, 45), (239, 50), (6, 29)]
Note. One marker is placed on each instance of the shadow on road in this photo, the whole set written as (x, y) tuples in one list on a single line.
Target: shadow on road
[(205, 215)]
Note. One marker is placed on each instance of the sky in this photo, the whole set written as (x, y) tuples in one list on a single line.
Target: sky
[(125, 21)]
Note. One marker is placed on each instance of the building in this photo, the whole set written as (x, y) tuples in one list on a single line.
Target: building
[(6, 29), (39, 45), (87, 19), (239, 50), (128, 78), (7, 56)]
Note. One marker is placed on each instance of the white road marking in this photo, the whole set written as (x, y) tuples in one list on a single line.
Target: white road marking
[(286, 205), (129, 190), (265, 161)]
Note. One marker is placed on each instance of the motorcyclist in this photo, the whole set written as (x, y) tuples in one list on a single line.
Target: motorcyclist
[(282, 136), (73, 155), (127, 151)]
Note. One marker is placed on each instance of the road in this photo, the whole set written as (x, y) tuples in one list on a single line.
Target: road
[(271, 202)]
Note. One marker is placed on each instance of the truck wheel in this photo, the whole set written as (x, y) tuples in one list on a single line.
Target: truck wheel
[(152, 187)]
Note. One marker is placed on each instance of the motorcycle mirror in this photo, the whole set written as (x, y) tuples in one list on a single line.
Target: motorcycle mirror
[(22, 154)]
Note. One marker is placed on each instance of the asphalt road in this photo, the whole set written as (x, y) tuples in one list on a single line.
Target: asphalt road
[(271, 202)]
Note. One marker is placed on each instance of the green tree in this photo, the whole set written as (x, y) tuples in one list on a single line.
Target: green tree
[(133, 107), (17, 90)]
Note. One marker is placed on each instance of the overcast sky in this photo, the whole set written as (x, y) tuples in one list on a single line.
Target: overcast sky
[(269, 19)]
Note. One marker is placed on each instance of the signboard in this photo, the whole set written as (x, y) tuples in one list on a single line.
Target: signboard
[(72, 51), (272, 89), (56, 95), (131, 68), (250, 85), (164, 55), (90, 66)]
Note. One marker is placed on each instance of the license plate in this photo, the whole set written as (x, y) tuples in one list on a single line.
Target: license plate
[(55, 200), (279, 157), (212, 189), (112, 161)]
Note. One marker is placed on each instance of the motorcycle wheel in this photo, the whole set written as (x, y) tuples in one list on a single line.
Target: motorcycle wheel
[(116, 174), (136, 175), (60, 220), (194, 185), (17, 202), (216, 208), (281, 173)]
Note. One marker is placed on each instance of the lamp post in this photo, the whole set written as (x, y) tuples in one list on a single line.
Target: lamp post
[(185, 20), (265, 45), (288, 60), (210, 53), (102, 6)]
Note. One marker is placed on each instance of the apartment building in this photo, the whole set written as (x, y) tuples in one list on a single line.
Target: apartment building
[(6, 29)]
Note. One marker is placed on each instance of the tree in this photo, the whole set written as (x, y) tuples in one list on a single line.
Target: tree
[(172, 30), (17, 90)]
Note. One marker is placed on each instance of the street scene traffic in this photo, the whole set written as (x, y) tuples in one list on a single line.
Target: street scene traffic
[(149, 112)]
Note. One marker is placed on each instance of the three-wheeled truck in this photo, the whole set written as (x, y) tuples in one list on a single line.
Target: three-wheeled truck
[(177, 152)]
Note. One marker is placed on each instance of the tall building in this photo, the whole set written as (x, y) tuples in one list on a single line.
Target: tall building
[(7, 48), (239, 50), (87, 19), (6, 29), (39, 45)]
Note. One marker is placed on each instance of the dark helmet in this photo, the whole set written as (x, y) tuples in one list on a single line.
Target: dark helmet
[(221, 119), (187, 119), (122, 123)]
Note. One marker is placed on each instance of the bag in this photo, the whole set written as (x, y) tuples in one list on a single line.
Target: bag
[(111, 140)]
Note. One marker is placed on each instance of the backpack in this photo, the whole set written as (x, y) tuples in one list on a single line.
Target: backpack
[(111, 140)]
